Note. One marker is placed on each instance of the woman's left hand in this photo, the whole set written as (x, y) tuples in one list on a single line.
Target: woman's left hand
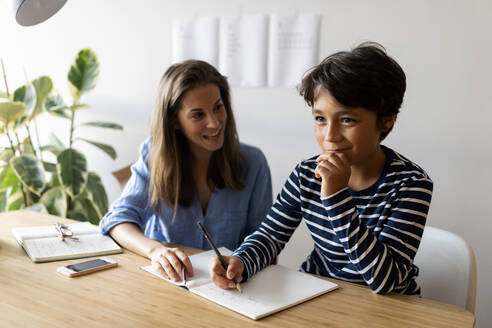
[(334, 171)]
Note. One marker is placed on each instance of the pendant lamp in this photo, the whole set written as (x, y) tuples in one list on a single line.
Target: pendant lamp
[(32, 12)]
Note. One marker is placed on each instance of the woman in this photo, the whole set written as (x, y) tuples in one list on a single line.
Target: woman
[(191, 168)]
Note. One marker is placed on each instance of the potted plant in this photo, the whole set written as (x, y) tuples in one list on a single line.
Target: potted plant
[(62, 186)]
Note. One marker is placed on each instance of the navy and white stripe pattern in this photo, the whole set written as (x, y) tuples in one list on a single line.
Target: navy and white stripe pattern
[(368, 237)]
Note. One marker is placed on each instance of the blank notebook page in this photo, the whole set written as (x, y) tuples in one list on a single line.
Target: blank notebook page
[(272, 289)]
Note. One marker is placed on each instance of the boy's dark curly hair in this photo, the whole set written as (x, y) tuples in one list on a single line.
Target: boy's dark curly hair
[(363, 77)]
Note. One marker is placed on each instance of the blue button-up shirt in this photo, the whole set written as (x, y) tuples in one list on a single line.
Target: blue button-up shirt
[(229, 218)]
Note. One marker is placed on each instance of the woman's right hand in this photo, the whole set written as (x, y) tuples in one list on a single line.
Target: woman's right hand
[(169, 262), (223, 278)]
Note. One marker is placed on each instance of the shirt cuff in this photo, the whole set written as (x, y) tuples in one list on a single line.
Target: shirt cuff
[(247, 265), (109, 222)]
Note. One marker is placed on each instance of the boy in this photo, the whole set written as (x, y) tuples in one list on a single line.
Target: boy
[(364, 204)]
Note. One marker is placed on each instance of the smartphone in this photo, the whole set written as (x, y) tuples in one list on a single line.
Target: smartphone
[(82, 268)]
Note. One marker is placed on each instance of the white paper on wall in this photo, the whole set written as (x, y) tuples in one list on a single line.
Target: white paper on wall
[(293, 48), (196, 38), (243, 49)]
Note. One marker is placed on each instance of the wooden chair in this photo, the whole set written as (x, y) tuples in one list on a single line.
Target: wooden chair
[(122, 175)]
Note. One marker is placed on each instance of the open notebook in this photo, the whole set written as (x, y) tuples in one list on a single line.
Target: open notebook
[(273, 289), (43, 243)]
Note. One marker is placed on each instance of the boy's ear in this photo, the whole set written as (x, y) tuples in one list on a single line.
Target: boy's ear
[(387, 122)]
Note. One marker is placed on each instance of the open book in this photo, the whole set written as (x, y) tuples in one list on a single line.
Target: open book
[(44, 244), (273, 289)]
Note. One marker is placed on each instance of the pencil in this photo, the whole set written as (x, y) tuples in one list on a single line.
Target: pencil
[(221, 259), (183, 275)]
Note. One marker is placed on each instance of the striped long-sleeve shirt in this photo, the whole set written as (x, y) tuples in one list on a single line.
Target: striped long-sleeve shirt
[(368, 237)]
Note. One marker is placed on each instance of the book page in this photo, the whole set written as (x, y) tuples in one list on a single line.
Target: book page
[(196, 38), (53, 248), (200, 264), (243, 47), (293, 48), (272, 289), (26, 233)]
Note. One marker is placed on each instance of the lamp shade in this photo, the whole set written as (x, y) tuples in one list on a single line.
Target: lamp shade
[(32, 12)]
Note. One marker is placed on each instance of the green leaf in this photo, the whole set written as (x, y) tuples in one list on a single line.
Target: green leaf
[(55, 201), (37, 208), (107, 125), (43, 86), (4, 196), (6, 155), (78, 211), (54, 180), (49, 167), (51, 149), (30, 172), (76, 107), (8, 178), (97, 193), (55, 146), (16, 199), (27, 95), (104, 147), (72, 171), (19, 122), (55, 141), (55, 100), (11, 111), (35, 198), (91, 211), (61, 112), (83, 74), (27, 147), (55, 105)]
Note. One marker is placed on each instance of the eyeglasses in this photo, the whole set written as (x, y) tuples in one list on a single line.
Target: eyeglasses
[(64, 231)]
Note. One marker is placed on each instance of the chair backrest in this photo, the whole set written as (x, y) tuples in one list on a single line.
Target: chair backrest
[(123, 175), (448, 271)]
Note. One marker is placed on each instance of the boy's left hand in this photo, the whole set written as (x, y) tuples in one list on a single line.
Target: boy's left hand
[(334, 170)]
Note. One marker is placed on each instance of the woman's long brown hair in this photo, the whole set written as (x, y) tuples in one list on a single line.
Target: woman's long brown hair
[(170, 158)]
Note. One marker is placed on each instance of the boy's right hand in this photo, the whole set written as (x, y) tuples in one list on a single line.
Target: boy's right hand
[(222, 278)]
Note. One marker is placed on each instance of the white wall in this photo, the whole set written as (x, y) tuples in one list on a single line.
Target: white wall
[(444, 46)]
